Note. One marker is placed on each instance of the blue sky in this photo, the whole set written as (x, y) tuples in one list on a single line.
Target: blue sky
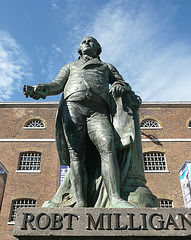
[(148, 41)]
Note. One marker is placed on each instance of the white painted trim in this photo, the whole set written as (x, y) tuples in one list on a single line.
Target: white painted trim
[(167, 140), (34, 128), (53, 140), (151, 128), (155, 171), (11, 223), (51, 104), (29, 104), (28, 171), (166, 104), (28, 140)]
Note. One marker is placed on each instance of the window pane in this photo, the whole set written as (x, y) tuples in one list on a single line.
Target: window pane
[(164, 203), (154, 161), (150, 123), (35, 123), (21, 203), (30, 161)]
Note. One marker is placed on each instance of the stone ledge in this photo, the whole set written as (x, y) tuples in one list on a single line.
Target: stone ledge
[(56, 223), (106, 238)]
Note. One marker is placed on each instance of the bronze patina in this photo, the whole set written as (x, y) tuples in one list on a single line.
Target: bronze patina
[(97, 134)]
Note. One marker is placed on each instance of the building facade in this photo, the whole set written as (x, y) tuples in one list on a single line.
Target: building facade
[(29, 166)]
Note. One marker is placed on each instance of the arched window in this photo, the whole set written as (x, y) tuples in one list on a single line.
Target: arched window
[(150, 123), (189, 125), (155, 161), (18, 203), (165, 203), (29, 161), (34, 123)]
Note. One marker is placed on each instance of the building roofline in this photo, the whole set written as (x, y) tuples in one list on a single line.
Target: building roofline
[(51, 104), (167, 104), (28, 104)]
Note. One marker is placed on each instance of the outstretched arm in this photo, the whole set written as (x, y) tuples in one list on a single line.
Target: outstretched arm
[(41, 90)]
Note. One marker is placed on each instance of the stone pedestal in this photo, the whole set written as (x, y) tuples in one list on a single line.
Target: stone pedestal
[(102, 224)]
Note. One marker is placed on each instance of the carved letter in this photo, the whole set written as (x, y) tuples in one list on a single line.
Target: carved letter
[(183, 218), (171, 221), (117, 222), (160, 221), (95, 224), (144, 227), (46, 222), (108, 221), (28, 218), (70, 220), (56, 221), (131, 222)]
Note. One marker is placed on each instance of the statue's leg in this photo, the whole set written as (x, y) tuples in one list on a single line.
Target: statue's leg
[(101, 134), (75, 130)]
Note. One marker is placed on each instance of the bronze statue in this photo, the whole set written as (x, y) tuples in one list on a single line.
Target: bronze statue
[(97, 134)]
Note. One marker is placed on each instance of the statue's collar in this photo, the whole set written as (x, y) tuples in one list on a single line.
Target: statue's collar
[(90, 61), (86, 58)]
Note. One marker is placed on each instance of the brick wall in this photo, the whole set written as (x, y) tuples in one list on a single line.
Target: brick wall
[(42, 186), (174, 120), (39, 186)]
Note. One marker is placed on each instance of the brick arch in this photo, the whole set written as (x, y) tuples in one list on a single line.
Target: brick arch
[(188, 123)]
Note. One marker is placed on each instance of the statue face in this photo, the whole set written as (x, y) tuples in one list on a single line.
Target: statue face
[(88, 46)]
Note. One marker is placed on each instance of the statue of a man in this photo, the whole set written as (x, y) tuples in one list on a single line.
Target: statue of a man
[(84, 116)]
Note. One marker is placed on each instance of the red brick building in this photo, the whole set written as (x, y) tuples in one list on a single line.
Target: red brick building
[(29, 166)]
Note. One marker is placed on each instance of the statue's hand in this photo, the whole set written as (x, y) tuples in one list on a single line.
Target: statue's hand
[(39, 92), (117, 90)]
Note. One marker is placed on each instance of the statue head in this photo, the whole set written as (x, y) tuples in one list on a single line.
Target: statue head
[(89, 46)]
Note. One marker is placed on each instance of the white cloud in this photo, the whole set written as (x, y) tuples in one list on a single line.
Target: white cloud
[(54, 4), (13, 66), (56, 48), (135, 38), (51, 61)]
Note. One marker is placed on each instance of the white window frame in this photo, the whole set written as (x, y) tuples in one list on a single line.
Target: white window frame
[(28, 171)]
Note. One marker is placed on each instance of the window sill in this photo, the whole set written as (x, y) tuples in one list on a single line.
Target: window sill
[(11, 223), (28, 171), (155, 171), (151, 128), (34, 128)]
